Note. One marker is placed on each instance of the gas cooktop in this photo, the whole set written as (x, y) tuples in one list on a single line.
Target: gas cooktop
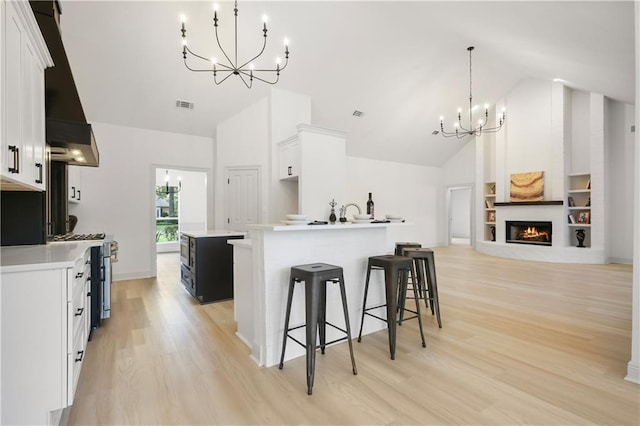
[(78, 237)]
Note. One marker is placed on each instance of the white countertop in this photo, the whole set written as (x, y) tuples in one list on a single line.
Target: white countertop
[(43, 256), (214, 233), (336, 227), (241, 243)]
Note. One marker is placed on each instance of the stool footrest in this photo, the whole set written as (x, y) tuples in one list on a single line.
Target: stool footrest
[(326, 343)]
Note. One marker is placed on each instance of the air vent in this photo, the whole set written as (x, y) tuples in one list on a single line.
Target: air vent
[(184, 104), (358, 114), (435, 132), (633, 129)]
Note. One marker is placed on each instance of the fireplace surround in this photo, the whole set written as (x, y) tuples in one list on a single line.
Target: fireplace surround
[(529, 232)]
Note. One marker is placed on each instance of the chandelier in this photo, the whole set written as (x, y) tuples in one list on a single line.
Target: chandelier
[(245, 70), (469, 130), (169, 190)]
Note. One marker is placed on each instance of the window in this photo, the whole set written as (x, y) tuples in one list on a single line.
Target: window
[(167, 210)]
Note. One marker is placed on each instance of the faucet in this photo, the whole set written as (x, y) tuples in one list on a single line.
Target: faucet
[(343, 209)]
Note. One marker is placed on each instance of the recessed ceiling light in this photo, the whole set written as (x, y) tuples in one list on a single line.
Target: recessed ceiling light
[(358, 114)]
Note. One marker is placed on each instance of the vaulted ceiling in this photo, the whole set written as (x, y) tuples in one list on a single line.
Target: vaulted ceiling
[(404, 64)]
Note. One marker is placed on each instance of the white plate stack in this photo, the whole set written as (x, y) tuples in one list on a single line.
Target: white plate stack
[(361, 218), (394, 218), (295, 219)]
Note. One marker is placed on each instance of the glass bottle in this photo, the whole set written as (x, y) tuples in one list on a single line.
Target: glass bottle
[(370, 207)]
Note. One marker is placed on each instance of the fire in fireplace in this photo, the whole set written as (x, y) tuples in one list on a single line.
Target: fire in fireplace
[(528, 232)]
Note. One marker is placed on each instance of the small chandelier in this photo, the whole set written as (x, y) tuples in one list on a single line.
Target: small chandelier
[(167, 189), (246, 71), (460, 130)]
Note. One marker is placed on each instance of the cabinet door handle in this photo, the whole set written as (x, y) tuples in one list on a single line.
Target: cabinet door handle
[(79, 274), (79, 195), (79, 312), (80, 356), (39, 166), (89, 294), (16, 159), (73, 188), (289, 171)]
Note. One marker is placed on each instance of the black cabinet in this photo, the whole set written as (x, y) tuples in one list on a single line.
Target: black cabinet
[(207, 271)]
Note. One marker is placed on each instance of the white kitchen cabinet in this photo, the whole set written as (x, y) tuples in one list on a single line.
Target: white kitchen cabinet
[(44, 332), (74, 190), (24, 57), (289, 158)]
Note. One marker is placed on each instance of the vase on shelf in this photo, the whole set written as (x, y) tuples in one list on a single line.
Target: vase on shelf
[(493, 233), (580, 234)]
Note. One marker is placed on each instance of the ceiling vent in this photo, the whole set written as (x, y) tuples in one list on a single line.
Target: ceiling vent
[(358, 114), (435, 132), (184, 104)]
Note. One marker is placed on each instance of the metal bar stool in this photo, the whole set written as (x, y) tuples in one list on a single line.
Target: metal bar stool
[(426, 268), (315, 277), (402, 297), (396, 271)]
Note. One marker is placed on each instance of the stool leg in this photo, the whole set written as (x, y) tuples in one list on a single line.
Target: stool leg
[(435, 303), (422, 281), (292, 283), (391, 291), (346, 322), (312, 301), (322, 315), (415, 297), (402, 294), (364, 302)]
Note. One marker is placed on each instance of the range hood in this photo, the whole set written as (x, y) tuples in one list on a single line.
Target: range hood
[(68, 134)]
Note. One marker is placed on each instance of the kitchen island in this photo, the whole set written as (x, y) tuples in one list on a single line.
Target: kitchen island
[(262, 269)]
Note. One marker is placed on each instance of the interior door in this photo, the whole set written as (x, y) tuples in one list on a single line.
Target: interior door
[(242, 197)]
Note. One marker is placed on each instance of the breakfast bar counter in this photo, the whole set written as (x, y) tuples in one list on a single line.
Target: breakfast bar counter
[(261, 277)]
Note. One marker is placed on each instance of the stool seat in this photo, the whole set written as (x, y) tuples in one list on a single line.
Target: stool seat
[(396, 271), (426, 270), (315, 276), (403, 245)]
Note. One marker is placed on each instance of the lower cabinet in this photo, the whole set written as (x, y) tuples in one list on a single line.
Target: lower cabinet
[(207, 272), (44, 333)]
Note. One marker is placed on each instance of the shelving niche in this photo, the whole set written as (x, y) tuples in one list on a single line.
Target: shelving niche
[(489, 211), (579, 207)]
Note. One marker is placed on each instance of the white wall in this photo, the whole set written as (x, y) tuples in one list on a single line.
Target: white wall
[(619, 155), (118, 198), (411, 191), (243, 140)]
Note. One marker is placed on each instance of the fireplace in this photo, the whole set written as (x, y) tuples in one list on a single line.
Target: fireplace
[(529, 232)]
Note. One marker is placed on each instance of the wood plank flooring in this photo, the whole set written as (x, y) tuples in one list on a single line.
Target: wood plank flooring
[(521, 343)]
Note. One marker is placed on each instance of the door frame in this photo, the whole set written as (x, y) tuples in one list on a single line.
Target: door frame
[(226, 207), (152, 204), (472, 227)]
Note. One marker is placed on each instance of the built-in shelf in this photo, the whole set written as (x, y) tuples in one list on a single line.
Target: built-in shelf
[(529, 203)]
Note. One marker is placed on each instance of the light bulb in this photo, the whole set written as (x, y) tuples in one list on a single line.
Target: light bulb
[(252, 67), (441, 117), (480, 122), (265, 18), (286, 42), (213, 60), (183, 18), (486, 106), (456, 124), (215, 7), (184, 41), (459, 109), (278, 60)]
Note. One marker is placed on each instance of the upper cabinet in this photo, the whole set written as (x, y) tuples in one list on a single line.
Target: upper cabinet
[(24, 57)]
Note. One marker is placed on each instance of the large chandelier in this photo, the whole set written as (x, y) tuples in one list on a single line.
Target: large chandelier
[(169, 190), (245, 70), (462, 130)]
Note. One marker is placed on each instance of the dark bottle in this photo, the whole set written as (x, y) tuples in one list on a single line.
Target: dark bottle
[(370, 207)]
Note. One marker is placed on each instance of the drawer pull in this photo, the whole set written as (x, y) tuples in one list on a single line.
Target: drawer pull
[(80, 356), (79, 274), (79, 312), (89, 294)]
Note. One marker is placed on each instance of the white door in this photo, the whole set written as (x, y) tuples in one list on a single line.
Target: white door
[(242, 197)]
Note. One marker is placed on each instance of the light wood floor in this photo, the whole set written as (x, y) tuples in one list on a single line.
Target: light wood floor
[(521, 343)]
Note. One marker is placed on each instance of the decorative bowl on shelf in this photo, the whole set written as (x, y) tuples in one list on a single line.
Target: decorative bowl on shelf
[(393, 216), (296, 217), (359, 216)]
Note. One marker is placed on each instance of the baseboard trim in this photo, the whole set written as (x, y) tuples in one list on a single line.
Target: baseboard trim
[(633, 373)]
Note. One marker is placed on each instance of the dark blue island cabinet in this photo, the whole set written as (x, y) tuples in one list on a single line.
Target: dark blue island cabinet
[(206, 264)]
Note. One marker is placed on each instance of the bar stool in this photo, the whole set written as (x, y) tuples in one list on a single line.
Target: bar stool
[(396, 271), (403, 245), (426, 268), (315, 277)]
